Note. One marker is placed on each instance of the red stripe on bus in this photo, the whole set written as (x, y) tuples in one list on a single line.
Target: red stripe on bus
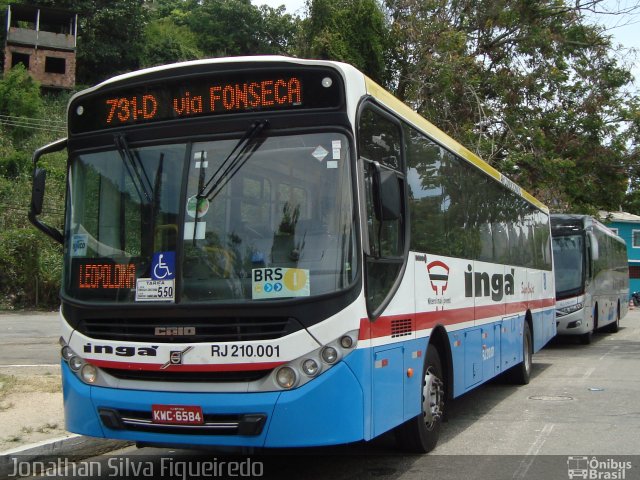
[(232, 367), (381, 327)]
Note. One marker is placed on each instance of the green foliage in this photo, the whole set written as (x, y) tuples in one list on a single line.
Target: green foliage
[(29, 261), (31, 269), (15, 164), (530, 86), (19, 97), (237, 27), (167, 42), (351, 31)]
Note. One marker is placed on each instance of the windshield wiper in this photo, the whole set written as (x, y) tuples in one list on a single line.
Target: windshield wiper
[(131, 162), (233, 162)]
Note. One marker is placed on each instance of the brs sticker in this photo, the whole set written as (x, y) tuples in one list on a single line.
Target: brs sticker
[(279, 283)]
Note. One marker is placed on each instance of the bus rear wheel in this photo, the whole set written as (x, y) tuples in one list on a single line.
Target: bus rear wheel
[(421, 433)]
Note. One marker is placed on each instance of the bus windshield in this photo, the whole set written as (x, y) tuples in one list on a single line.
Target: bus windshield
[(271, 220), (568, 251)]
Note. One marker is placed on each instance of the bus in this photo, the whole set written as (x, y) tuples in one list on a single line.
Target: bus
[(276, 252), (592, 276)]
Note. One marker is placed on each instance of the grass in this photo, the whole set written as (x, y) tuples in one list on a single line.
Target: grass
[(45, 383), (47, 427)]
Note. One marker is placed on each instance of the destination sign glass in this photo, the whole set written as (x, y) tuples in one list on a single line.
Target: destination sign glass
[(103, 278), (207, 95)]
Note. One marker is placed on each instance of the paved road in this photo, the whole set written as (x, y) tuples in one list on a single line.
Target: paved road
[(29, 338)]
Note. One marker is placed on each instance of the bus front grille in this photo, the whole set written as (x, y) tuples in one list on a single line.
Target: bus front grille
[(160, 330)]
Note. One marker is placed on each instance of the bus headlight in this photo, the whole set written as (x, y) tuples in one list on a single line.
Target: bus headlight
[(346, 342), (67, 353), (286, 377), (305, 368), (310, 367), (329, 355), (89, 373), (75, 363), (570, 309)]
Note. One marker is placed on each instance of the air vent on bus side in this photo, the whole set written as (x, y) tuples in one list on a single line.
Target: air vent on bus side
[(401, 328)]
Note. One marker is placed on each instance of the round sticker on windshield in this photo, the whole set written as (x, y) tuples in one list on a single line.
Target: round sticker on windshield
[(199, 206)]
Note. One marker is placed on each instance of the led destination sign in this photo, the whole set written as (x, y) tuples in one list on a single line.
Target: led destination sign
[(106, 275), (219, 98), (103, 278), (244, 91)]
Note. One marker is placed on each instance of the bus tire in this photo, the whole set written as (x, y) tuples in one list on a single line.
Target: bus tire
[(421, 433), (615, 326), (520, 374), (585, 338)]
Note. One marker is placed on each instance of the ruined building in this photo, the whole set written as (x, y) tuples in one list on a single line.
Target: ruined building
[(44, 41)]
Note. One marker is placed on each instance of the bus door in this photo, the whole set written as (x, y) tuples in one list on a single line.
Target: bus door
[(492, 286)]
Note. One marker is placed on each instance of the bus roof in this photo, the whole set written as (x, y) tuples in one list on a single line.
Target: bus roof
[(567, 223)]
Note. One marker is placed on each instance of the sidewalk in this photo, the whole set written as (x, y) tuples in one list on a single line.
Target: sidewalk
[(32, 420), (30, 406)]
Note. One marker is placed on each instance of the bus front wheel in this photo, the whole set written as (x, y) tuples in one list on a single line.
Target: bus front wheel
[(420, 434), (521, 373), (615, 326)]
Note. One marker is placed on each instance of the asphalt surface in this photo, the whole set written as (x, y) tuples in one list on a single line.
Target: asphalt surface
[(29, 338)]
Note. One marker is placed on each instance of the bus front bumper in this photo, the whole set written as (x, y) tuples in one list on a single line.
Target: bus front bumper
[(326, 411), (573, 323)]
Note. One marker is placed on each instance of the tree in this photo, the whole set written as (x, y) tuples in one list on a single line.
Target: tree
[(19, 97), (530, 86), (237, 27), (166, 42), (351, 31)]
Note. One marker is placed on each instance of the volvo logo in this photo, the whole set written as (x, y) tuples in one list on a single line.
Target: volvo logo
[(176, 357), (175, 331)]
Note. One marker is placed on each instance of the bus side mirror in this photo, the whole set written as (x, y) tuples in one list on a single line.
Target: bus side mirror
[(593, 245), (387, 195), (37, 190)]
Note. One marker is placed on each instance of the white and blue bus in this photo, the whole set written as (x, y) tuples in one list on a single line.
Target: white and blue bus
[(592, 276), (274, 252)]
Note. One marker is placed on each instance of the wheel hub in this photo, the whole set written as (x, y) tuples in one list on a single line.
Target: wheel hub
[(432, 398)]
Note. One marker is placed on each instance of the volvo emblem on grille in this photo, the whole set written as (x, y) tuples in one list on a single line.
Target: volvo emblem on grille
[(174, 331), (175, 357)]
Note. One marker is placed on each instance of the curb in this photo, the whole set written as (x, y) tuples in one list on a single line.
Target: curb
[(77, 446)]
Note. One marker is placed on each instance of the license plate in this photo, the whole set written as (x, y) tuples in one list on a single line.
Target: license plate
[(177, 414)]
